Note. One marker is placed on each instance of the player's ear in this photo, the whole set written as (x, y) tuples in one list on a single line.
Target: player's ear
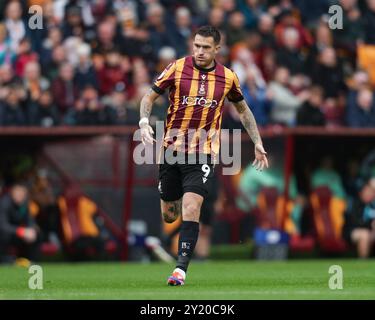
[(217, 48)]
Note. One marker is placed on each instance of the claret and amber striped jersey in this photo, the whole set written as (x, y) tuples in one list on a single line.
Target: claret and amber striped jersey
[(196, 97)]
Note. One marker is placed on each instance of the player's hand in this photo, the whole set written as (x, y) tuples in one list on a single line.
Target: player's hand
[(147, 134), (260, 157), (29, 235)]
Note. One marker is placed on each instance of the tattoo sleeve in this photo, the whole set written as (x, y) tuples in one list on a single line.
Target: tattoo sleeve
[(248, 121), (146, 105)]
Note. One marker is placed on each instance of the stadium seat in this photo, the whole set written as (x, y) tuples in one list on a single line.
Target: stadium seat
[(328, 216), (48, 249), (270, 213), (271, 209), (78, 225)]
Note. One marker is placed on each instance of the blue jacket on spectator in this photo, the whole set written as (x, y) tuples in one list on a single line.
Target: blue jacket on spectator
[(11, 116), (259, 104), (356, 116)]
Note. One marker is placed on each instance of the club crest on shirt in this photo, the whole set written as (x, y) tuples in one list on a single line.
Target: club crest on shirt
[(202, 90)]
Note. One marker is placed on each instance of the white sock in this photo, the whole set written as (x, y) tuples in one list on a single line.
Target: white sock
[(181, 272)]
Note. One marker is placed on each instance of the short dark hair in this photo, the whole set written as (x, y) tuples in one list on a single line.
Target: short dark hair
[(209, 31)]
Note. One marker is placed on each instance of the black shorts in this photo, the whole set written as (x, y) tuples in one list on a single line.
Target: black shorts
[(177, 179)]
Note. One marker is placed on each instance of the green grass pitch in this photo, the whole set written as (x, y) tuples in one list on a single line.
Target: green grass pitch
[(243, 280)]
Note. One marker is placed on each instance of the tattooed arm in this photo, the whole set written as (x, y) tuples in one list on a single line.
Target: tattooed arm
[(249, 123), (145, 112), (147, 102)]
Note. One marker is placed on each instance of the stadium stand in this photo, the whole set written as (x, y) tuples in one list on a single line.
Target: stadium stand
[(78, 81)]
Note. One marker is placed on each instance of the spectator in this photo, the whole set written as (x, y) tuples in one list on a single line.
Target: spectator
[(134, 37), (47, 218), (353, 30), (267, 64), (58, 58), (254, 44), (231, 119), (11, 113), (24, 56), (146, 34), (288, 19), (140, 81), (266, 26), (326, 175), (235, 31), (310, 113), (328, 73), (182, 32), (71, 46), (289, 55), (106, 33), (367, 168), (311, 11), (228, 6), (90, 111), (216, 18), (258, 98), (243, 65), (53, 40), (127, 113), (15, 25), (17, 227), (285, 103), (359, 227), (158, 34), (43, 112), (360, 111), (73, 25), (34, 83), (369, 22), (252, 9), (85, 73), (100, 8), (112, 72), (323, 39), (64, 89), (7, 76), (7, 55)]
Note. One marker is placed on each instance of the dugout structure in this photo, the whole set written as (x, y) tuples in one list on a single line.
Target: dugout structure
[(99, 160)]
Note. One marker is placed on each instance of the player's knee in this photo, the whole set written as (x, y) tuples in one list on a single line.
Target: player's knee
[(365, 236), (169, 218)]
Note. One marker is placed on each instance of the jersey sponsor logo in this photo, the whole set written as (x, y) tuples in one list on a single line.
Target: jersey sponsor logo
[(199, 101)]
